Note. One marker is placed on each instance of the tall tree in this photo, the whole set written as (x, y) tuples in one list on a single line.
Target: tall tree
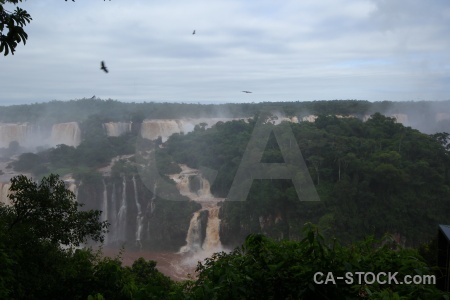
[(38, 231)]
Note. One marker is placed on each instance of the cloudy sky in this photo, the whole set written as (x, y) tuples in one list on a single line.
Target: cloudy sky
[(281, 50)]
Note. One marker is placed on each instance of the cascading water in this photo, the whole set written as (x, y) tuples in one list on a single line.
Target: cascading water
[(105, 207), (66, 133), (122, 216), (139, 217), (113, 217), (212, 240), (193, 238), (201, 194), (4, 191), (152, 201), (150, 208), (117, 128)]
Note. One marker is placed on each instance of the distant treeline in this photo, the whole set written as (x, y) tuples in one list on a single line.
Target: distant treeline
[(112, 110)]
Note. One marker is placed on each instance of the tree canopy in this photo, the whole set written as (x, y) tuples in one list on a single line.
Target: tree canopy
[(37, 233), (12, 25)]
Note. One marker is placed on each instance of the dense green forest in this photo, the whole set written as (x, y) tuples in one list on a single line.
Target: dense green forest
[(41, 229), (373, 178)]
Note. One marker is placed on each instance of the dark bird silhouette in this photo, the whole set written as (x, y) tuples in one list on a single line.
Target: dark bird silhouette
[(74, 0), (193, 32), (93, 97), (103, 67), (247, 92)]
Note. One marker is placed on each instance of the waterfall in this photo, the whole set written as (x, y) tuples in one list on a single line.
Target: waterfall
[(192, 184), (152, 129), (122, 216), (66, 133), (105, 203), (152, 201), (113, 221), (20, 133), (193, 238), (150, 208), (4, 191), (212, 240), (72, 185), (139, 217), (204, 190), (117, 128), (105, 208)]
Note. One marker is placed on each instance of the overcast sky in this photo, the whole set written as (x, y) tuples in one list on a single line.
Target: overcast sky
[(280, 50)]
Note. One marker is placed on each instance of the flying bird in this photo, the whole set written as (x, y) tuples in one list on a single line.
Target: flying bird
[(193, 32), (247, 92), (103, 67), (93, 97)]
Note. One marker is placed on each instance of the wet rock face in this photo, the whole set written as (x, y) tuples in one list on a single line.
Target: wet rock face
[(138, 219)]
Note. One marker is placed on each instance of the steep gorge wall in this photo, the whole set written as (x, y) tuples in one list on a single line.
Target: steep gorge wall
[(138, 219)]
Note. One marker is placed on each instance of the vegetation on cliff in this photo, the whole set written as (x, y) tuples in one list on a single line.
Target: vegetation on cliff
[(372, 177), (41, 219)]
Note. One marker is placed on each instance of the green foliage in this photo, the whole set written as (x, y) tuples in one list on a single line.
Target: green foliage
[(34, 264), (42, 218), (372, 177), (26, 162), (51, 211), (12, 23), (265, 269)]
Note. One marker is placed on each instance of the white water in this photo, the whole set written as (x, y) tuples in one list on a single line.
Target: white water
[(21, 133), (195, 250), (4, 191), (122, 215), (66, 133), (117, 128), (212, 240), (193, 242), (164, 128), (139, 217), (113, 221), (183, 184)]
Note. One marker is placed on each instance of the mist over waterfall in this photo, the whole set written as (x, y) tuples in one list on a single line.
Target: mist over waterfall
[(31, 135), (164, 128), (66, 133), (21, 133), (152, 129), (117, 128)]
